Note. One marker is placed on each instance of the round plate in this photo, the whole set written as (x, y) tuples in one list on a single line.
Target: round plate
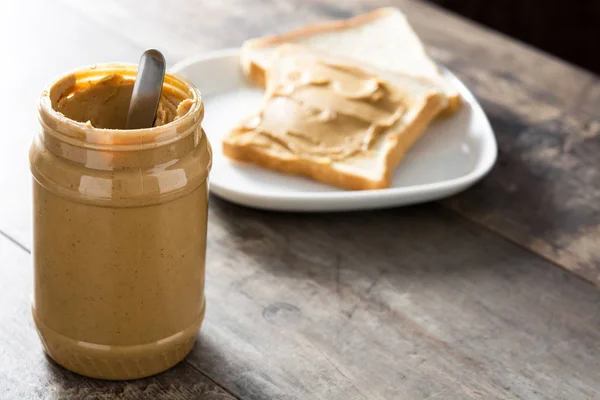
[(454, 153)]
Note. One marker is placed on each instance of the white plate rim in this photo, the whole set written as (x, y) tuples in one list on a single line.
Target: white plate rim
[(446, 187)]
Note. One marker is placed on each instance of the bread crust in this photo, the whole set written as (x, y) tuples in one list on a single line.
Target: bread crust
[(258, 74), (397, 145)]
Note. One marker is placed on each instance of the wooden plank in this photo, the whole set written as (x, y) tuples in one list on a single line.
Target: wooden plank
[(534, 114), (544, 192), (405, 303), (410, 303), (25, 372)]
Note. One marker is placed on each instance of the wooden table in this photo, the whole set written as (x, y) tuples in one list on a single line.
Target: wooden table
[(490, 294)]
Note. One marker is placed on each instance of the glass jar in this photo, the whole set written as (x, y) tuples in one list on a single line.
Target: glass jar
[(120, 221)]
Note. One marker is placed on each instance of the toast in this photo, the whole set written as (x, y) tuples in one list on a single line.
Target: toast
[(382, 38), (372, 168)]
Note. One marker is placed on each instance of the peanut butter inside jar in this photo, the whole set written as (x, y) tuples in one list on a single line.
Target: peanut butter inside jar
[(120, 221)]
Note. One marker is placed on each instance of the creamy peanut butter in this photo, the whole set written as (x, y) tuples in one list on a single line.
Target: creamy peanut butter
[(103, 103), (120, 219), (324, 110)]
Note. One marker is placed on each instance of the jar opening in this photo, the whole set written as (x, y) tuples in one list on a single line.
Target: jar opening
[(91, 104)]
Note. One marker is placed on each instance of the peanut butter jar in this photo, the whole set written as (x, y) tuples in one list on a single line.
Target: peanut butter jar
[(120, 221)]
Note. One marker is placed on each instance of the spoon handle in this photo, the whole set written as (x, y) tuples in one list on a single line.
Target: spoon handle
[(146, 90)]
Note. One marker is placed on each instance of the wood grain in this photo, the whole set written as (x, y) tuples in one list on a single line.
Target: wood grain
[(544, 192), (408, 303), (421, 302)]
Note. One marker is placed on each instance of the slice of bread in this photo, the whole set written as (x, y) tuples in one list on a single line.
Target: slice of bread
[(370, 169), (382, 38)]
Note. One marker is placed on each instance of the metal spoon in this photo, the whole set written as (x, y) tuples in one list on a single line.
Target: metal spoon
[(146, 90)]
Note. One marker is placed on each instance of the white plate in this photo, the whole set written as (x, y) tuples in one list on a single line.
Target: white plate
[(452, 155)]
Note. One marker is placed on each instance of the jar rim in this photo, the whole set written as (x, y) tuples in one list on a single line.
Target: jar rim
[(106, 138)]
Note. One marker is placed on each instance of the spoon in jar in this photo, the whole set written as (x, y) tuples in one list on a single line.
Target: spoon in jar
[(147, 90)]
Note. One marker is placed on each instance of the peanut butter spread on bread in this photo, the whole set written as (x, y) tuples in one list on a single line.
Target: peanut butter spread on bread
[(324, 110)]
